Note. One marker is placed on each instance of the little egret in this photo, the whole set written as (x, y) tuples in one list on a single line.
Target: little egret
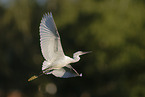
[(56, 62)]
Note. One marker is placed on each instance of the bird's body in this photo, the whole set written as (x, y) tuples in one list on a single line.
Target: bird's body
[(56, 62), (60, 62)]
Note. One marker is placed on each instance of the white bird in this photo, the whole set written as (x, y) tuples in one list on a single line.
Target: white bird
[(56, 62)]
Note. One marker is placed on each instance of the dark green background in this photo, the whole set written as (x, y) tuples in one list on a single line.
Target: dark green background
[(114, 30)]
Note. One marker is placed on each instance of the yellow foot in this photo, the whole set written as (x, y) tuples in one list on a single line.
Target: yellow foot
[(32, 78)]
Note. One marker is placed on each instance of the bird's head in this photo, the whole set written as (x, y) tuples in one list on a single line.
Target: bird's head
[(77, 54), (81, 53)]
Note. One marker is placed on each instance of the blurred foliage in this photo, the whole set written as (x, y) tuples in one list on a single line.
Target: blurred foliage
[(113, 29)]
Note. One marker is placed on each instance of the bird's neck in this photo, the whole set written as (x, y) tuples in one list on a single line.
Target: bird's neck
[(76, 58)]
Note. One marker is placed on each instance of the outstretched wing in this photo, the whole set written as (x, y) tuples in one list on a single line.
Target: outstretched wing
[(49, 38), (66, 72)]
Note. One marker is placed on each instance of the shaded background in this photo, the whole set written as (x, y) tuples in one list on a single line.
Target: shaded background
[(113, 29)]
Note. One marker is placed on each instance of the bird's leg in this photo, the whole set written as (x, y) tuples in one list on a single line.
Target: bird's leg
[(35, 77), (47, 70)]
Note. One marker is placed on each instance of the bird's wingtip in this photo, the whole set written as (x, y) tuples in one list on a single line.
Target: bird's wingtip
[(81, 75), (50, 13)]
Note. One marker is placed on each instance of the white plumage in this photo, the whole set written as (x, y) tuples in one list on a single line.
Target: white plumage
[(56, 62)]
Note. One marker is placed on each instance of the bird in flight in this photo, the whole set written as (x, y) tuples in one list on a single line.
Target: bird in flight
[(56, 62)]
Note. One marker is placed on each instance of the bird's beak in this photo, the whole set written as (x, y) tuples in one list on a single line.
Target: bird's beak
[(87, 52)]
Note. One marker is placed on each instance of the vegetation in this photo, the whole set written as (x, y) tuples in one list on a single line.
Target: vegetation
[(114, 30)]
